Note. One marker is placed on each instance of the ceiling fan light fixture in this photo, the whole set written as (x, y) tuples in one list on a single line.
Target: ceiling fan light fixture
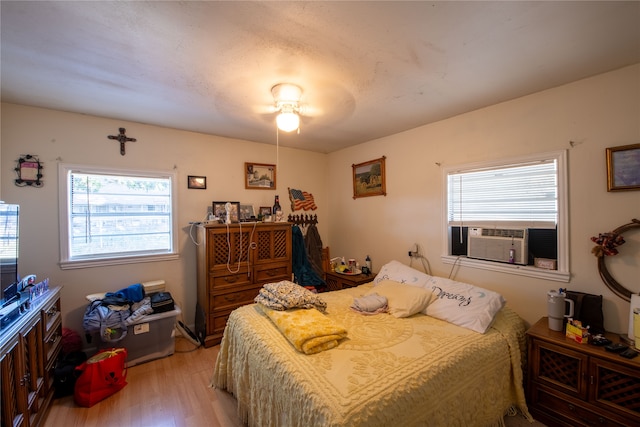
[(288, 121), (287, 98), (286, 93)]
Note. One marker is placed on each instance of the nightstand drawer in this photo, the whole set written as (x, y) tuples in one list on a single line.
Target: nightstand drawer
[(571, 411), (336, 281)]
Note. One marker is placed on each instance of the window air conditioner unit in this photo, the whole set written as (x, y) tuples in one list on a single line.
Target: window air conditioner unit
[(498, 244)]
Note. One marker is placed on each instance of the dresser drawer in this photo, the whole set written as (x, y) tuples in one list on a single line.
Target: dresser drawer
[(51, 316), (53, 344), (274, 272), (229, 281), (52, 331), (232, 300), (218, 323)]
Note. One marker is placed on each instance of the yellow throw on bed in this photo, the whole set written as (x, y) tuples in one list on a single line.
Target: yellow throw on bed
[(308, 330)]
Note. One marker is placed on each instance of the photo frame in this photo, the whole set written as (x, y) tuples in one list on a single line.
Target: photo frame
[(623, 168), (264, 211), (197, 182), (29, 170), (369, 178), (259, 176), (246, 213), (220, 211)]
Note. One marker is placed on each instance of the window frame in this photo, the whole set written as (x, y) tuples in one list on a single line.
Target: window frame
[(562, 274), (64, 200)]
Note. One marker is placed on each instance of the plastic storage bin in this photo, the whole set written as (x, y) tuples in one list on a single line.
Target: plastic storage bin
[(152, 337)]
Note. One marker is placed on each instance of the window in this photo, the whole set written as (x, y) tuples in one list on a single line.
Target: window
[(110, 216), (524, 193)]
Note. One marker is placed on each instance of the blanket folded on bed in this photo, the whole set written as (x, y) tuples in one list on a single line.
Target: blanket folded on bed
[(308, 330), (285, 295)]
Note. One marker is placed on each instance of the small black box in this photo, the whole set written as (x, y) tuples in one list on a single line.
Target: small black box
[(162, 302)]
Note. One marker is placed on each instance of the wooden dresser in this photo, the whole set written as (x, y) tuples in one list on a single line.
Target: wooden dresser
[(234, 262), (29, 348), (571, 384)]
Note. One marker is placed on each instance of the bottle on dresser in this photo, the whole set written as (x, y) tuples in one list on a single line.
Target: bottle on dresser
[(276, 205)]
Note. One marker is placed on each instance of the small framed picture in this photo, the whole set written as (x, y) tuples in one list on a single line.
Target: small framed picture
[(264, 211), (220, 211), (623, 168), (197, 182), (369, 179), (246, 213), (259, 176)]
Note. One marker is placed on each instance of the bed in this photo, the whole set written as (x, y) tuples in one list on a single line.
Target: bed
[(408, 371)]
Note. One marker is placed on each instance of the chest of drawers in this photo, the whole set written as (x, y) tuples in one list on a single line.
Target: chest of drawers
[(234, 262)]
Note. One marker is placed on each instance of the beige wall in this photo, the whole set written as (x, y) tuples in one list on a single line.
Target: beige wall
[(56, 136), (595, 113)]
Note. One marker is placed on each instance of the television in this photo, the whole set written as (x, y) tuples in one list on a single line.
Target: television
[(9, 248)]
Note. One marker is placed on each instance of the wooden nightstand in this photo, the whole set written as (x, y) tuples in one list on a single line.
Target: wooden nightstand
[(336, 281), (572, 384)]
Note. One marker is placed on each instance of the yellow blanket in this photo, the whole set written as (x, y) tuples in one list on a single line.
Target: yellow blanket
[(308, 330)]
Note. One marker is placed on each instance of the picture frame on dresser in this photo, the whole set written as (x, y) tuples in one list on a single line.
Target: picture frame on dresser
[(246, 212), (623, 167), (265, 211), (220, 211)]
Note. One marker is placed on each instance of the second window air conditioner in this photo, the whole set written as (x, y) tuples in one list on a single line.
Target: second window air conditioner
[(498, 244)]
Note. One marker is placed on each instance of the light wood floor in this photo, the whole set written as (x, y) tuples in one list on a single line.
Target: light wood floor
[(169, 392)]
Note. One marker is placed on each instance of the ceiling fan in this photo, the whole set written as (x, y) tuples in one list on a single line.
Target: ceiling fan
[(288, 107), (287, 104)]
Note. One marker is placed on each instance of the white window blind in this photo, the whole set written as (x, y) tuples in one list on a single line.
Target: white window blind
[(521, 193), (117, 214), (529, 191)]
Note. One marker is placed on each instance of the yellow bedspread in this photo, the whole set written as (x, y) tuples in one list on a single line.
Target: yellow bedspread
[(416, 371), (308, 330)]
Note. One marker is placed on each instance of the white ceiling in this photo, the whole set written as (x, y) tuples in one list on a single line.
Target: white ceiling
[(367, 69)]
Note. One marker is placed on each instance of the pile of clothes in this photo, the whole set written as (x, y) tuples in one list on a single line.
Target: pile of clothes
[(111, 315)]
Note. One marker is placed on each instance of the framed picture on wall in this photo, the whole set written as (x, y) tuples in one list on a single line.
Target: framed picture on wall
[(623, 168), (259, 176), (369, 178), (197, 182)]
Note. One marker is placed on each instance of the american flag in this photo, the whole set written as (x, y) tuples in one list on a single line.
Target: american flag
[(302, 200)]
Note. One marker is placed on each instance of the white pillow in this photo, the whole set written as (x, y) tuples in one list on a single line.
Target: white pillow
[(463, 304), (403, 300), (401, 273)]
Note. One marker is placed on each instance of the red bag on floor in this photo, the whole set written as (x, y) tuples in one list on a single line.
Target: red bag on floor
[(101, 376)]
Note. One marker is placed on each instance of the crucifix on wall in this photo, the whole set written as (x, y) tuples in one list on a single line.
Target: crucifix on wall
[(123, 139)]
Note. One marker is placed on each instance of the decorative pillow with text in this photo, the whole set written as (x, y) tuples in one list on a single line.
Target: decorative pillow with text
[(463, 304)]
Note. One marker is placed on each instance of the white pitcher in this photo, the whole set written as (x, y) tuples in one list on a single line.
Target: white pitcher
[(557, 309)]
